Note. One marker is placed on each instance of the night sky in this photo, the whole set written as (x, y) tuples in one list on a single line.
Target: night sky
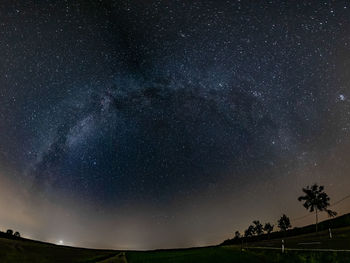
[(155, 124)]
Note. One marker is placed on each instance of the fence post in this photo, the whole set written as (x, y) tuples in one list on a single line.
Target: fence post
[(282, 245)]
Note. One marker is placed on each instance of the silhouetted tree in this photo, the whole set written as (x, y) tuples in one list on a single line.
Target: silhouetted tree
[(249, 231), (284, 223), (237, 235), (268, 228), (258, 228), (17, 234), (315, 199), (9, 232)]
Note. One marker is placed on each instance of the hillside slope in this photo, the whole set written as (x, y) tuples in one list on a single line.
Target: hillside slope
[(24, 250)]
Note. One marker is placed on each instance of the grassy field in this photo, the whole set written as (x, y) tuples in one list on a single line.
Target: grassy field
[(321, 240), (203, 255), (31, 251), (233, 254)]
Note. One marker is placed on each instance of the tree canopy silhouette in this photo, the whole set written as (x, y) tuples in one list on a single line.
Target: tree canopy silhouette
[(268, 228), (258, 227), (284, 223), (315, 199), (249, 231)]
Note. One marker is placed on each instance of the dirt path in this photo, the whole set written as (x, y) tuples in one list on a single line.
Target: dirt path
[(120, 258)]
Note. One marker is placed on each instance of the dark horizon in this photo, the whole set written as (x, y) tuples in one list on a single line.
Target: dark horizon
[(264, 236), (159, 124)]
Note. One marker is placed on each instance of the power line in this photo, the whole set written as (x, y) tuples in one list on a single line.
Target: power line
[(340, 200), (301, 217), (334, 204)]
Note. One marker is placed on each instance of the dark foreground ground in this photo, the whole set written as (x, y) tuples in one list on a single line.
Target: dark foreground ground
[(304, 248), (231, 255)]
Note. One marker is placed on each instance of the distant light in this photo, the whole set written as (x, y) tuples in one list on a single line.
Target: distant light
[(60, 242)]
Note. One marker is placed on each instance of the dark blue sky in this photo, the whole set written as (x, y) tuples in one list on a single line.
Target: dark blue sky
[(166, 109)]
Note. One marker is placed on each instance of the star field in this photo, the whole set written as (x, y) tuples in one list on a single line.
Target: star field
[(184, 115)]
